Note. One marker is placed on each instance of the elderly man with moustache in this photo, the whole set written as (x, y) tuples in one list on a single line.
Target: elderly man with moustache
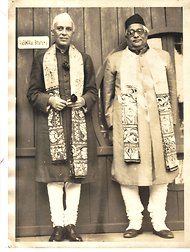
[(140, 108), (63, 91)]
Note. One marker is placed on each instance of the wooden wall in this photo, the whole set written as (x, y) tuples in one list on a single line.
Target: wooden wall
[(98, 32)]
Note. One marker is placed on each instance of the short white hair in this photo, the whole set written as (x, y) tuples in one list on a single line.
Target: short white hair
[(62, 16)]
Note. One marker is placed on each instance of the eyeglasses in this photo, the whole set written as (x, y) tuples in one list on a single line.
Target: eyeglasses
[(139, 31)]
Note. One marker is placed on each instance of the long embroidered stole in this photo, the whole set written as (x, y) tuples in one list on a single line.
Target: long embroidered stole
[(129, 89), (78, 162)]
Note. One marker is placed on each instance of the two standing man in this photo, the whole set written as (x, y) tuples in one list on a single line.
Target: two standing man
[(63, 91)]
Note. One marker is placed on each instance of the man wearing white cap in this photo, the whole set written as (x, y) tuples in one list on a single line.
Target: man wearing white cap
[(63, 92), (140, 107)]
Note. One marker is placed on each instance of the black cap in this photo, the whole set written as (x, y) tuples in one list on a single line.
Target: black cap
[(135, 19)]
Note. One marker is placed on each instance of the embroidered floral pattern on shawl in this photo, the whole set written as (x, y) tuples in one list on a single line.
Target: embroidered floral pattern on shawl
[(56, 131), (166, 122), (130, 127), (129, 84)]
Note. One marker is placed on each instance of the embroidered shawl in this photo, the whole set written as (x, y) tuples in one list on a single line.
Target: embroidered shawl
[(78, 162), (129, 89)]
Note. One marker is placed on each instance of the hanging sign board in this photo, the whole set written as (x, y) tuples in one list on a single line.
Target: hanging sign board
[(33, 42)]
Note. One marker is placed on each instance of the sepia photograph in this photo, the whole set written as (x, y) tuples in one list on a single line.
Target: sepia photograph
[(98, 122)]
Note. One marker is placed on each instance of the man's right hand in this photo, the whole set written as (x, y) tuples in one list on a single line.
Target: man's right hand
[(57, 103)]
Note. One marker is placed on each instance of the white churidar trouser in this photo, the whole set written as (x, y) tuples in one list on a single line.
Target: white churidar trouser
[(133, 206), (59, 216), (156, 206)]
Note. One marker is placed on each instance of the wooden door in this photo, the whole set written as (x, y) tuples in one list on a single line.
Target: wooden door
[(99, 31)]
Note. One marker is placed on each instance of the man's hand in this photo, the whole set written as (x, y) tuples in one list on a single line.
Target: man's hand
[(78, 104), (57, 103)]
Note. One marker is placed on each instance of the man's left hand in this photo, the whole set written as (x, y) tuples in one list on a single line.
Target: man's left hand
[(78, 104)]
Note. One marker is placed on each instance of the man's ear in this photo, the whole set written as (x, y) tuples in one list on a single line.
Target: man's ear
[(52, 32), (125, 33)]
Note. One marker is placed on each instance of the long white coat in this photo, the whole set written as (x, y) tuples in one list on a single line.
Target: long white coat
[(151, 169)]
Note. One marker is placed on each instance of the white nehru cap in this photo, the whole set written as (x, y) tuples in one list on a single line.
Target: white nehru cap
[(62, 17)]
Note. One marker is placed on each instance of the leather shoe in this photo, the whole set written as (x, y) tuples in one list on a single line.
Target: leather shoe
[(71, 233), (58, 234), (130, 233), (167, 234)]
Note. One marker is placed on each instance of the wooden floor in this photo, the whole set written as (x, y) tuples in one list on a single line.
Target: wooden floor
[(115, 240)]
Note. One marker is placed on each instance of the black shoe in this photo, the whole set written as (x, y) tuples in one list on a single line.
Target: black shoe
[(58, 234), (167, 234), (71, 234), (130, 233)]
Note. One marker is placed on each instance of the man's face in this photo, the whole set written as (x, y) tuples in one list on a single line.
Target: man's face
[(63, 32), (136, 36)]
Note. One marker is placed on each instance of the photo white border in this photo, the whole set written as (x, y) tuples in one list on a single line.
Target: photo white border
[(4, 126), (12, 117)]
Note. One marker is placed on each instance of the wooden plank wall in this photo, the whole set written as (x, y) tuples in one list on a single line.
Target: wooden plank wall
[(98, 31)]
